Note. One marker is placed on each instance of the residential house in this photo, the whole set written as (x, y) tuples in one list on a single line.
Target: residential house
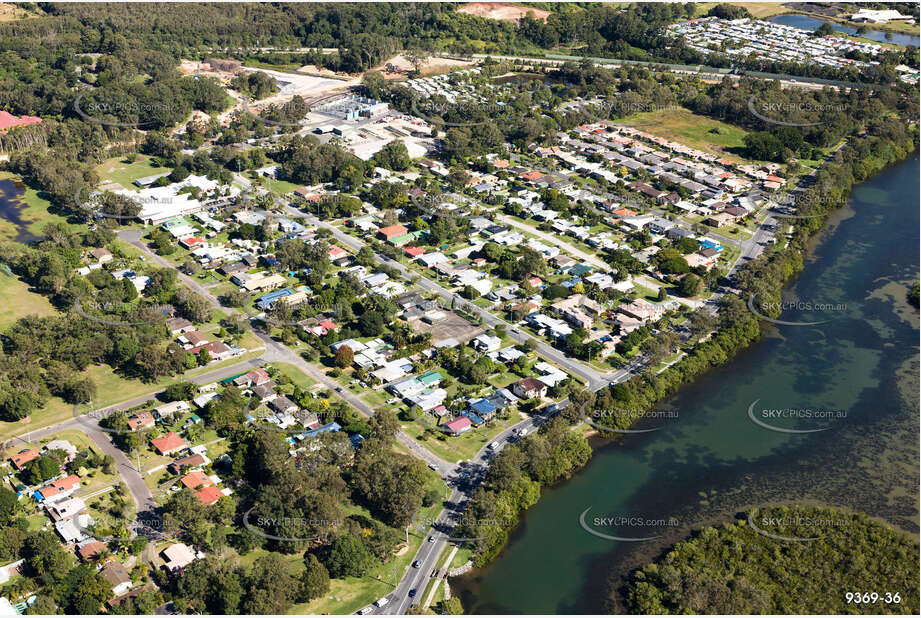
[(177, 557), (20, 459), (283, 405), (168, 444), (458, 426), (392, 231), (576, 310), (529, 388), (641, 309), (141, 420), (168, 410), (209, 495), (116, 574), (486, 343)]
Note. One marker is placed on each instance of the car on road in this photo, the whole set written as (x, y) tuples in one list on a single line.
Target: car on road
[(431, 539), (338, 389), (381, 602), (364, 610), (433, 467), (416, 564), (492, 446), (412, 593)]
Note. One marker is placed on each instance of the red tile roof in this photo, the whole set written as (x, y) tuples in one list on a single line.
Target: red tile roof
[(23, 457), (209, 495), (392, 231), (91, 550), (458, 424), (196, 479), (168, 443)]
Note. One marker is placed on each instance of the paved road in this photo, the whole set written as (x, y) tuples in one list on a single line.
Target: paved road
[(89, 424), (466, 477), (592, 377), (277, 352)]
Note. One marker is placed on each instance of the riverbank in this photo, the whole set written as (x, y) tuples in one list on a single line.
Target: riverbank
[(673, 486)]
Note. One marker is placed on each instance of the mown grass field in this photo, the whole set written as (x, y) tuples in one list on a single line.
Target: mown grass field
[(761, 10), (693, 130), (19, 302), (118, 170)]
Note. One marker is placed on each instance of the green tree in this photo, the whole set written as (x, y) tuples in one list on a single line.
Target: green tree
[(315, 579), (348, 557)]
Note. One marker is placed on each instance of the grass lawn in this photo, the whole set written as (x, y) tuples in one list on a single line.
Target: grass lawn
[(455, 448), (692, 129), (118, 170), (298, 377), (376, 398), (33, 214), (761, 10), (112, 388), (20, 302)]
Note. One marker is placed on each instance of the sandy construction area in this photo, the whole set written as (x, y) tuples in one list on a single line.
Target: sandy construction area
[(432, 66), (503, 11)]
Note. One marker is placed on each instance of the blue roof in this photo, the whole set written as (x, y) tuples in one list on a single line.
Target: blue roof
[(483, 407), (276, 294), (324, 429), (475, 419), (356, 439)]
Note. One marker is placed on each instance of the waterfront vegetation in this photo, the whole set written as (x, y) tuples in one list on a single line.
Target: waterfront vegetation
[(881, 142), (735, 569), (514, 481)]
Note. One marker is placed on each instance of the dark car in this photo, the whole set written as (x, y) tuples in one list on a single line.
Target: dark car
[(412, 593), (416, 564)]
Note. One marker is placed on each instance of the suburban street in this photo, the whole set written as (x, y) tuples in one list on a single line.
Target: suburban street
[(463, 477)]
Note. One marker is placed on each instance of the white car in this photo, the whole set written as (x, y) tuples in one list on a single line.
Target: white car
[(382, 602), (364, 610)]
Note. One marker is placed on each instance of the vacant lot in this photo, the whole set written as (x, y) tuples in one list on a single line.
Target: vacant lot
[(19, 301), (119, 171), (757, 9), (452, 326), (693, 130), (503, 11)]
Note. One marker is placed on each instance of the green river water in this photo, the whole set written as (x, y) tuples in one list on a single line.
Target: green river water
[(712, 462)]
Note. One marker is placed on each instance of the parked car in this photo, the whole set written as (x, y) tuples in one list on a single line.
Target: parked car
[(382, 602)]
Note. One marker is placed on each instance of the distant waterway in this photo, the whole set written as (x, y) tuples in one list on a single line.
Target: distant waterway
[(12, 203), (811, 23), (711, 462)]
